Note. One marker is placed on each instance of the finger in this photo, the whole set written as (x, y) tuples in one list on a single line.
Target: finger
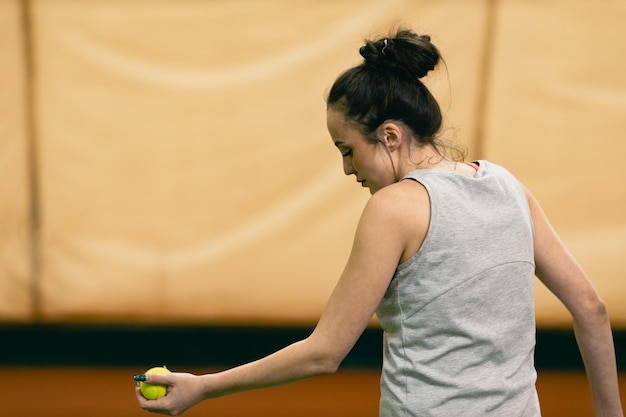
[(159, 406), (139, 378), (163, 379), (143, 402)]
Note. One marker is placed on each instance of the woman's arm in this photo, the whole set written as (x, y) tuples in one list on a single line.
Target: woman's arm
[(380, 240), (563, 276)]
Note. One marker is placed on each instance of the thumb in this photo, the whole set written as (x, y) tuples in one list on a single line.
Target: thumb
[(162, 379)]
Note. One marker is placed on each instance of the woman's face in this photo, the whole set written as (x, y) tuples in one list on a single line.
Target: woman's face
[(369, 162)]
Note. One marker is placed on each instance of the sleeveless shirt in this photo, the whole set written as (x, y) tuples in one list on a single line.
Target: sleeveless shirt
[(458, 317)]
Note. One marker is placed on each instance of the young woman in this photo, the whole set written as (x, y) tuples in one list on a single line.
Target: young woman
[(445, 254)]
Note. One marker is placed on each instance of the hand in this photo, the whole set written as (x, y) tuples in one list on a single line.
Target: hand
[(184, 390)]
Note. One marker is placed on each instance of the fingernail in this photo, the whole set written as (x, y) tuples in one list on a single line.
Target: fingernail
[(140, 378)]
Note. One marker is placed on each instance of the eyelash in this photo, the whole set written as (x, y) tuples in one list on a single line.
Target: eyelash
[(346, 153)]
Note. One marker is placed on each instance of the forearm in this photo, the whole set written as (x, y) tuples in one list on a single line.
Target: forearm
[(595, 341), (295, 362)]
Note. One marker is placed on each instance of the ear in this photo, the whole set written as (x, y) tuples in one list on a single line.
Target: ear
[(391, 135)]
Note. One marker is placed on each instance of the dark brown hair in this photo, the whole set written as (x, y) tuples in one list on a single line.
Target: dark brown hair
[(387, 86)]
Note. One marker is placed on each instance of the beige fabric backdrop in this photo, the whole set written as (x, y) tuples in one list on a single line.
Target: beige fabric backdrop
[(556, 117), (16, 278), (186, 175)]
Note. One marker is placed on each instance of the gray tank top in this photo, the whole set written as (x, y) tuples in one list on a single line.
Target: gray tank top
[(458, 317)]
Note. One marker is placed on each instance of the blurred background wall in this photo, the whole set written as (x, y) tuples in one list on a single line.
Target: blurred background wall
[(168, 161)]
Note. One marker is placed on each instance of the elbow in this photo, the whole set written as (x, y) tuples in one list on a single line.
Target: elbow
[(594, 311), (600, 309), (323, 359), (326, 364), (597, 308)]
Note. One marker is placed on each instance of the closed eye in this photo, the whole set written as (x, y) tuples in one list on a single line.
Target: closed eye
[(344, 153)]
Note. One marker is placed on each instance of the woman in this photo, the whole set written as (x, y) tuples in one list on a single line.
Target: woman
[(445, 254)]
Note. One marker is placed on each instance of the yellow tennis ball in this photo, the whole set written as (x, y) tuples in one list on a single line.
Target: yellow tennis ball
[(154, 391)]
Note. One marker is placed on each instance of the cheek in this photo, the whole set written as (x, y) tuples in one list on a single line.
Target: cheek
[(365, 158), (360, 165), (369, 160)]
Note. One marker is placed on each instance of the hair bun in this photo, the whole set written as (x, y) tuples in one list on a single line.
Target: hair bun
[(405, 52)]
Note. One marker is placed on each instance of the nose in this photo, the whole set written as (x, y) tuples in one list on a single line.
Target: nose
[(348, 169)]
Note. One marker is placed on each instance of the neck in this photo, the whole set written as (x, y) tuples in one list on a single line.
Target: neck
[(425, 157)]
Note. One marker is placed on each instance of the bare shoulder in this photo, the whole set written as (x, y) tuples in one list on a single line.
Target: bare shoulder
[(402, 195), (400, 212)]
